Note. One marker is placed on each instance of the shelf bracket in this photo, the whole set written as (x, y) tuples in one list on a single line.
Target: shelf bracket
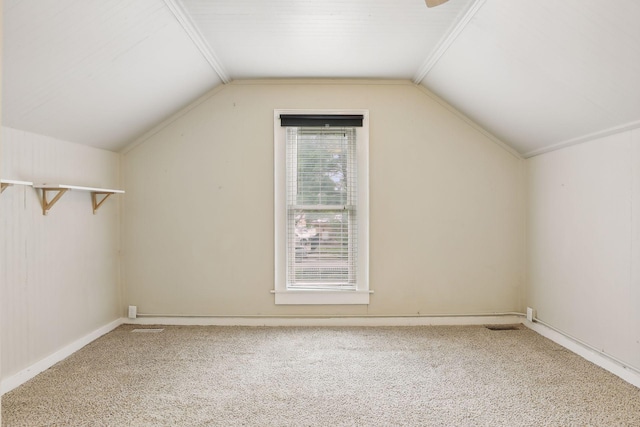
[(63, 188), (47, 205), (4, 183), (94, 199)]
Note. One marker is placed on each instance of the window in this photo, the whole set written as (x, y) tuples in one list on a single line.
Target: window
[(321, 207)]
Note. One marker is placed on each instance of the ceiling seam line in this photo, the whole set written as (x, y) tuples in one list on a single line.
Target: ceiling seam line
[(185, 20), (446, 41)]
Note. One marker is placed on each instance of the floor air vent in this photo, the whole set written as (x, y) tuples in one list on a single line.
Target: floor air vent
[(148, 330), (503, 327)]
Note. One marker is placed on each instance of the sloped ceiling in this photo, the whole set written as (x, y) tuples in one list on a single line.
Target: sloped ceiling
[(97, 72), (545, 73), (537, 74)]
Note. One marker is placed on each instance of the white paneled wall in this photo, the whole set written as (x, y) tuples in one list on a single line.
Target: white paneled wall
[(584, 242), (60, 276)]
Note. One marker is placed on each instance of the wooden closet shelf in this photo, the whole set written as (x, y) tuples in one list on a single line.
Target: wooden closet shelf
[(60, 189)]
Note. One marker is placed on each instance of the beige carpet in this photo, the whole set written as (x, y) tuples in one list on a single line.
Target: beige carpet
[(236, 376)]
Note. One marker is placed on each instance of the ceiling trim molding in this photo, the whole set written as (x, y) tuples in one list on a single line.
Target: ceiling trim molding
[(585, 138), (322, 81), (185, 20), (447, 40)]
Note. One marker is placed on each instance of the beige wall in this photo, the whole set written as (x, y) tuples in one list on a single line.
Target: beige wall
[(446, 218), (59, 278), (584, 242)]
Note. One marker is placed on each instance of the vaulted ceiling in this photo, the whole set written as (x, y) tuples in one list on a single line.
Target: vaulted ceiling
[(537, 74)]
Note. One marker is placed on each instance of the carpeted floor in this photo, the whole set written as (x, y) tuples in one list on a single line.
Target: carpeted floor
[(400, 376)]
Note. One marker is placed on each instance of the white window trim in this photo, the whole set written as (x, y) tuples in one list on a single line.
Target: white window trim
[(362, 292)]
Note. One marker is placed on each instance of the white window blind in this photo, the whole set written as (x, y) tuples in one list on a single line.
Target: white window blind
[(321, 199)]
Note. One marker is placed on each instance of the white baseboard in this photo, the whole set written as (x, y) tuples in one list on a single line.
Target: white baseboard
[(328, 320), (25, 375), (617, 368), (626, 373)]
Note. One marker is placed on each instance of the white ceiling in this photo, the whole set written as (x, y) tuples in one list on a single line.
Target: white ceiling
[(97, 72), (537, 74), (330, 38), (543, 73)]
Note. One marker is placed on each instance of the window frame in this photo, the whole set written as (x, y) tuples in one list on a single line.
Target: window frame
[(362, 292)]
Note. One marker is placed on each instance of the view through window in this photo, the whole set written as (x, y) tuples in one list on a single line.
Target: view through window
[(321, 208)]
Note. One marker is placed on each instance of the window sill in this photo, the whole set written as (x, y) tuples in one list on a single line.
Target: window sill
[(321, 297)]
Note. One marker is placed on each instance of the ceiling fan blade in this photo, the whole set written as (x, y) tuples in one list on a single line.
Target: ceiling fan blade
[(434, 3)]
